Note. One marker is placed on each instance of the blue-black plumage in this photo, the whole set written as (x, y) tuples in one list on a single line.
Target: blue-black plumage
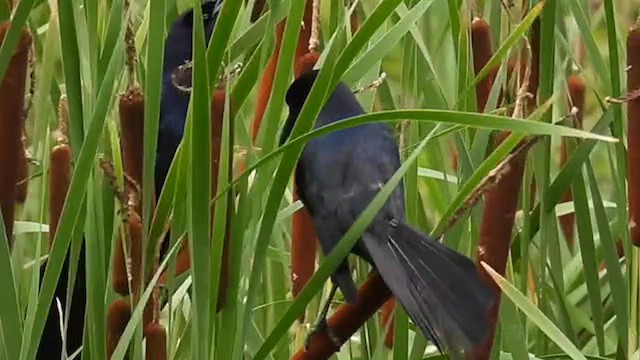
[(175, 101), (337, 176)]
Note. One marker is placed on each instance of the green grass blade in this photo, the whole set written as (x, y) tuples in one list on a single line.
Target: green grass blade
[(9, 310), (535, 315)]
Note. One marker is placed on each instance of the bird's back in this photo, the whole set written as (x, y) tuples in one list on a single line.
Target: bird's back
[(341, 172)]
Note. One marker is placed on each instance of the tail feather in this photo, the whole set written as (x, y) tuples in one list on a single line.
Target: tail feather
[(439, 288)]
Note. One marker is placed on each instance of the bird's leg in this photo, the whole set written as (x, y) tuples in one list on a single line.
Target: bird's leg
[(321, 323)]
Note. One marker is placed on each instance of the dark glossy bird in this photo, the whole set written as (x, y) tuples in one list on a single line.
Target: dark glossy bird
[(174, 103), (337, 176), (176, 80)]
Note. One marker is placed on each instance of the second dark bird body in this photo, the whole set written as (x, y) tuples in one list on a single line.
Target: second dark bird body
[(337, 176)]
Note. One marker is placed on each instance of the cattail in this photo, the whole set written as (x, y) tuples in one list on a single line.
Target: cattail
[(306, 63), (303, 250), (12, 94), (303, 230), (118, 316), (633, 133), (498, 217), (132, 135), (576, 96), (355, 22), (156, 347), (121, 263), (347, 319), (482, 51), (501, 204), (59, 182), (266, 82), (183, 263), (387, 319)]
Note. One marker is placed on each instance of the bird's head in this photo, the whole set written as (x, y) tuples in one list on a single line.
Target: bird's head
[(178, 47), (299, 90)]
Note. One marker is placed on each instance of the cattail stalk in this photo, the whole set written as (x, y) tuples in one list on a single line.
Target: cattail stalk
[(12, 94), (303, 230), (347, 319), (633, 134), (129, 263), (576, 100), (498, 217)]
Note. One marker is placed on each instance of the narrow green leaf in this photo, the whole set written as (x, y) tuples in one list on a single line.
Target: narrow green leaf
[(534, 314)]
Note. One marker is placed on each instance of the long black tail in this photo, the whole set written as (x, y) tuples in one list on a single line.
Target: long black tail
[(439, 288)]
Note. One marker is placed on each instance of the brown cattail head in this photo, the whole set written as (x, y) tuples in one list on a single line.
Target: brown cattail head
[(303, 250), (355, 22), (133, 232), (306, 63), (266, 82), (132, 128), (577, 91), (482, 51), (118, 316), (498, 217), (183, 263), (59, 182), (303, 231), (387, 319), (347, 319), (156, 342), (12, 96), (633, 133)]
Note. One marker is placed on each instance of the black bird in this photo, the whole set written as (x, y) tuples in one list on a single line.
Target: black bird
[(174, 103), (176, 82), (176, 79), (336, 177)]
